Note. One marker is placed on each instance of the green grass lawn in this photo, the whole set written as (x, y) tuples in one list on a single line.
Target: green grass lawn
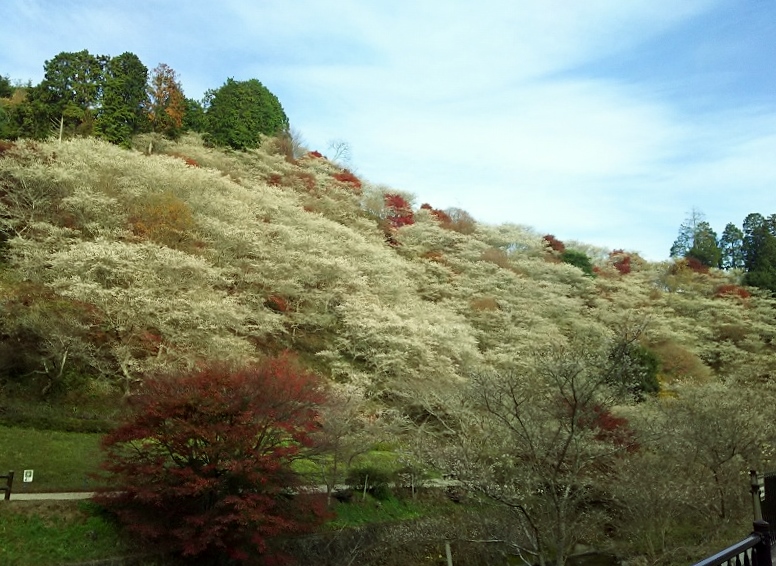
[(370, 510), (62, 461), (55, 532)]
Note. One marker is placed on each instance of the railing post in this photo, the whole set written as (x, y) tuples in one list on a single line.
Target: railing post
[(9, 485), (755, 483), (762, 551)]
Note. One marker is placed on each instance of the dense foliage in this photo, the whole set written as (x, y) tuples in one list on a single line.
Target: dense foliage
[(121, 114), (240, 112), (116, 98), (751, 248), (203, 463)]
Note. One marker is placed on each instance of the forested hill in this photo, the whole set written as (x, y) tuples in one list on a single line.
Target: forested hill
[(117, 263), (597, 398)]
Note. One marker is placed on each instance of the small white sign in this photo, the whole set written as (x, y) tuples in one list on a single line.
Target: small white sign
[(27, 476)]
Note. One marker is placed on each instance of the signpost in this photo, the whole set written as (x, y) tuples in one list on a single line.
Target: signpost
[(27, 477)]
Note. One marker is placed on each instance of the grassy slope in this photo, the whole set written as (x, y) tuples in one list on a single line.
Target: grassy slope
[(48, 533), (62, 461)]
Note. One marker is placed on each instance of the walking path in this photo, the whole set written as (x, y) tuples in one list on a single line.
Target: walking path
[(16, 496), (51, 496)]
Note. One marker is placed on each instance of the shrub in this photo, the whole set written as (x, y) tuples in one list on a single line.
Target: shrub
[(577, 259), (240, 112), (187, 160), (165, 219), (621, 261), (442, 217), (377, 481), (554, 243), (484, 304), (496, 256), (204, 461), (459, 221), (349, 178), (398, 211), (731, 290), (677, 363), (696, 265), (276, 303)]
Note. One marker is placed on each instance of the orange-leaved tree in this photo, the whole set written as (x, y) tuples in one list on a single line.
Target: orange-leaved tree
[(167, 105), (204, 461)]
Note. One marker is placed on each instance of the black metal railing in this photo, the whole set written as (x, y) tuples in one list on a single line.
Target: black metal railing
[(754, 550)]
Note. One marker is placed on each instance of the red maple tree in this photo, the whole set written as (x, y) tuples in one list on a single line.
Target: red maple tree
[(203, 463), (398, 211), (621, 261), (554, 243)]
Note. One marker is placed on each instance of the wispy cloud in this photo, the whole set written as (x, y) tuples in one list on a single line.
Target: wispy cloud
[(598, 121)]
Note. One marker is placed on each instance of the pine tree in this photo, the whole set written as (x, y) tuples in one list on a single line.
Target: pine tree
[(759, 247), (697, 240), (731, 245)]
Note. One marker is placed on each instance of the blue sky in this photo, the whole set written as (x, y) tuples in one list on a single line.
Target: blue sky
[(599, 121)]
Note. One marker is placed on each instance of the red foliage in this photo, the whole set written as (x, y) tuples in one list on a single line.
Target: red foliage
[(150, 341), (349, 178), (695, 265), (316, 154), (621, 261), (732, 290), (442, 217), (398, 211), (188, 160), (554, 243), (203, 464), (295, 179), (610, 428), (276, 303), (6, 146)]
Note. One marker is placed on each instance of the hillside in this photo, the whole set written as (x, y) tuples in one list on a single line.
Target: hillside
[(118, 264)]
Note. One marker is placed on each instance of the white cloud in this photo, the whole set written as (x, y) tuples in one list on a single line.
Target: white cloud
[(493, 108)]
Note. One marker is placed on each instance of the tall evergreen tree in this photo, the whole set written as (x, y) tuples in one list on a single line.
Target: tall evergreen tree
[(760, 251), (731, 245), (697, 240), (194, 118), (123, 99), (5, 119), (704, 247), (70, 92), (6, 89)]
